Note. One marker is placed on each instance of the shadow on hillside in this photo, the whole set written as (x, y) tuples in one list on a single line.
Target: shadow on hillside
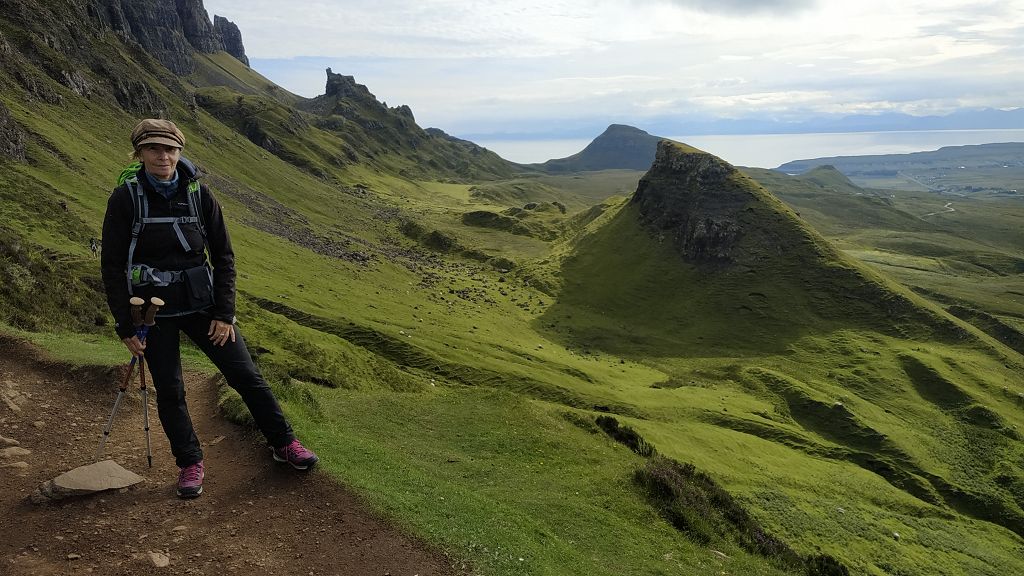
[(626, 293)]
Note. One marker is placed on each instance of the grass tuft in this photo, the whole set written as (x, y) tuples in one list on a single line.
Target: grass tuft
[(625, 435)]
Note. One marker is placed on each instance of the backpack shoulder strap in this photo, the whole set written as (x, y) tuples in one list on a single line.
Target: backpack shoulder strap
[(140, 211), (195, 206)]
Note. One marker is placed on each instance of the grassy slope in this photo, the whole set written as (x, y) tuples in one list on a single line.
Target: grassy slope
[(386, 297), (440, 380), (717, 410)]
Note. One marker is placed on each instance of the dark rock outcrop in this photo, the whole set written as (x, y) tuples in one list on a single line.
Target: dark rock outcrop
[(230, 37), (345, 87), (12, 136), (171, 33), (196, 26), (159, 30), (692, 197), (137, 97), (108, 15), (472, 147), (5, 46)]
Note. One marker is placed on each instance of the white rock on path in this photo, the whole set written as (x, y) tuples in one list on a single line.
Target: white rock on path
[(159, 560), (14, 452), (16, 465), (106, 475)]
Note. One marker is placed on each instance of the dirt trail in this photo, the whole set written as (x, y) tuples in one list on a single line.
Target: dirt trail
[(255, 516)]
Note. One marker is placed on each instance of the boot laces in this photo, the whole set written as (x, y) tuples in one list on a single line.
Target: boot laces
[(191, 473)]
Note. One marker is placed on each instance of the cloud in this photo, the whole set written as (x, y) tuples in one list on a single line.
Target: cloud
[(746, 7), (504, 65)]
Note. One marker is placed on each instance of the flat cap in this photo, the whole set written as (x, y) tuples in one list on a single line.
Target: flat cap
[(156, 131)]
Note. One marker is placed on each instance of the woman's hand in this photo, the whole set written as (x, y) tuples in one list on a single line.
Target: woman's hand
[(135, 346), (220, 332)]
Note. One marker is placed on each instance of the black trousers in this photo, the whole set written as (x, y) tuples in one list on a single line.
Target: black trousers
[(163, 356)]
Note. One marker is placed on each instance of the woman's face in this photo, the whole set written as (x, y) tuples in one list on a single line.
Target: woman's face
[(160, 160)]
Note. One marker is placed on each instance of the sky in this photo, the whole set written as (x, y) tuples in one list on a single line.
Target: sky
[(549, 68)]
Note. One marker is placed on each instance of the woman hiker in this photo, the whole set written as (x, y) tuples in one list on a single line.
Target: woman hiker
[(159, 226)]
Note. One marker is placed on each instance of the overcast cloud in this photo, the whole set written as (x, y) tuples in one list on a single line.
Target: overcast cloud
[(550, 66), (741, 7)]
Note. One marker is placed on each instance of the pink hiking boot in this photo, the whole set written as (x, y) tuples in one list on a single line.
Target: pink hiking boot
[(190, 480), (300, 457)]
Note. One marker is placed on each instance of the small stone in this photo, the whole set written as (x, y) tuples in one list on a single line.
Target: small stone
[(39, 424), (74, 556), (159, 559), (9, 442), (15, 465), (14, 452), (179, 529), (896, 536), (216, 441)]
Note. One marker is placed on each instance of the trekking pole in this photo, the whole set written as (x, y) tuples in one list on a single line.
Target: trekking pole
[(136, 307), (149, 321), (142, 329)]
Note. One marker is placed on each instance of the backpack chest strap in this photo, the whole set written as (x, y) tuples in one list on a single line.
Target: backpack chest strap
[(175, 223)]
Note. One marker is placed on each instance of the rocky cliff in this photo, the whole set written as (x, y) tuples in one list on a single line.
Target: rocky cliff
[(170, 32), (231, 37), (696, 199), (350, 111)]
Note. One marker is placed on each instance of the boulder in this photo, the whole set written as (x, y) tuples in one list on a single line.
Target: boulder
[(106, 475)]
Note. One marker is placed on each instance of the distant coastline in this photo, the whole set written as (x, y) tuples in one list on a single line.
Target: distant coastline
[(772, 150)]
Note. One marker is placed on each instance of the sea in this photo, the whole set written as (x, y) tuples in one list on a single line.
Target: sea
[(773, 150)]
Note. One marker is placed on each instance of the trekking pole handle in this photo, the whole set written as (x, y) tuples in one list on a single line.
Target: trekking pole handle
[(154, 305), (136, 304)]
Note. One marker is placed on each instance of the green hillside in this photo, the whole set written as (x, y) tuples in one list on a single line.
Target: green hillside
[(540, 374), (961, 252)]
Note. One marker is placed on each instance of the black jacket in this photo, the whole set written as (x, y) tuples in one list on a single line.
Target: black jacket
[(158, 247)]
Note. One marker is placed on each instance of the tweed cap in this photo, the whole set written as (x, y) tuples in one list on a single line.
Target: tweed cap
[(156, 131)]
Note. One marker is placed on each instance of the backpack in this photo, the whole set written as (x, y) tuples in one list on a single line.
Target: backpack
[(139, 274)]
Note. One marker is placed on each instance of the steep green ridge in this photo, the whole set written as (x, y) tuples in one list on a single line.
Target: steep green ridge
[(450, 373), (618, 147), (740, 253)]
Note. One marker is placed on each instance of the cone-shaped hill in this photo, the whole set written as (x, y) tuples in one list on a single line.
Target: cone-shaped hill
[(618, 147), (703, 258)]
